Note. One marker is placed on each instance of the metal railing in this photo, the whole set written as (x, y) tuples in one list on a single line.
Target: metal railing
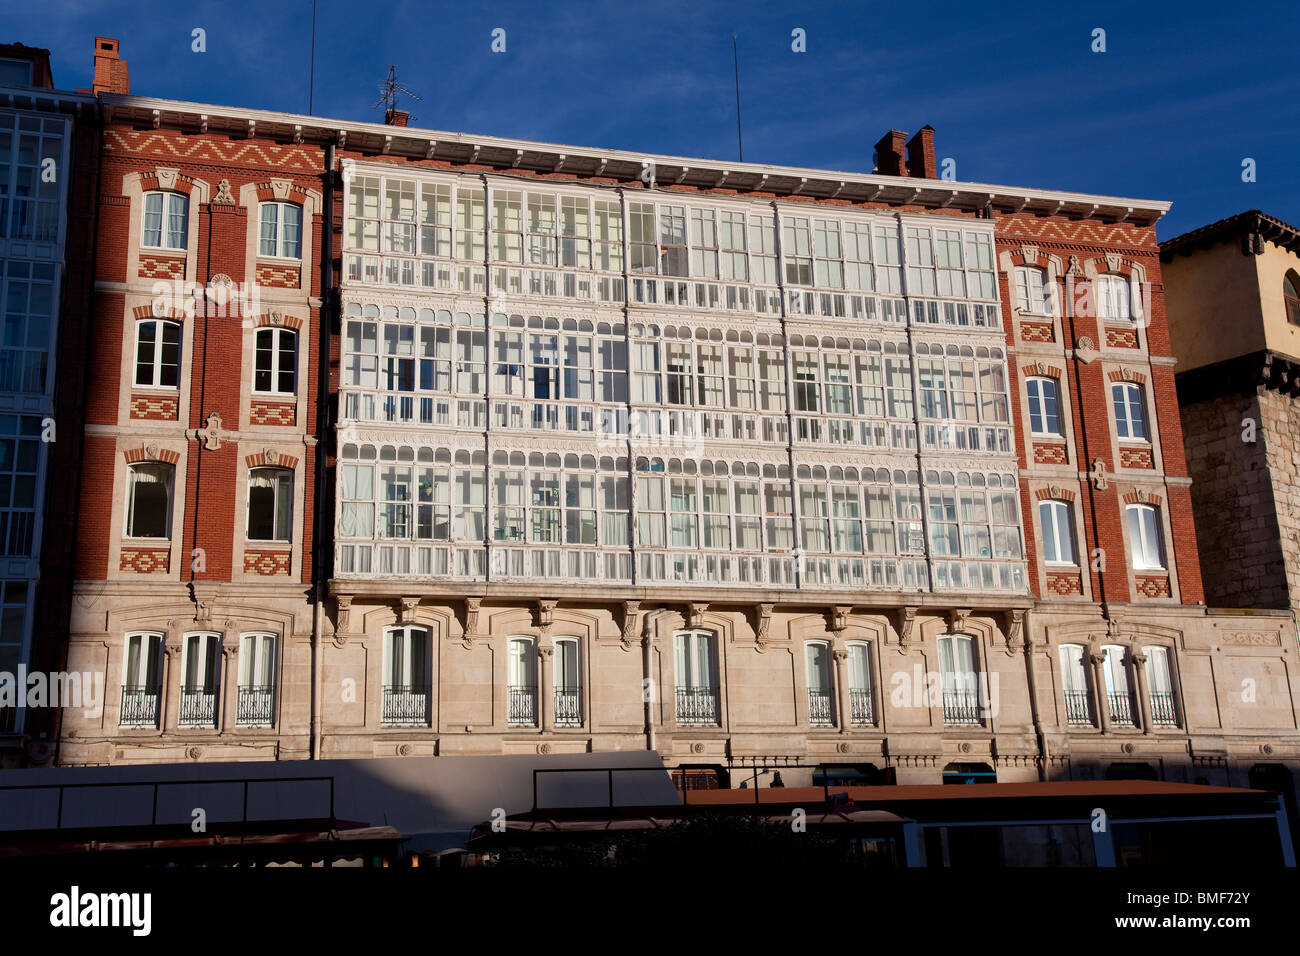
[(1163, 711), (568, 707), (198, 708), (961, 707), (820, 711), (1121, 708), (256, 706), (139, 706), (521, 705), (697, 705), (1078, 709), (861, 707), (406, 705)]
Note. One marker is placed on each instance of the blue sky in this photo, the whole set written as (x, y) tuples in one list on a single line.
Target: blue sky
[(1183, 93)]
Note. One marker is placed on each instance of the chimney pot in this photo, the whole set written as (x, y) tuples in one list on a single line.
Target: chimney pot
[(920, 154), (396, 117), (111, 74)]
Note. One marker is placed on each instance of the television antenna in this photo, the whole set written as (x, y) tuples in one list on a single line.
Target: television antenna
[(389, 91)]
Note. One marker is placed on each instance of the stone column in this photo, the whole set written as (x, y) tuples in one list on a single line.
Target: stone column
[(545, 688), (1144, 701), (229, 682), (1099, 683), (172, 677), (840, 679)]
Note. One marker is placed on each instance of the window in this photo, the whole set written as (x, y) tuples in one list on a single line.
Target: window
[(1130, 410), (1145, 538), (821, 712), (407, 677), (270, 504), (1160, 685), (149, 500), (521, 690), (200, 655), (157, 353), (1114, 670), (281, 230), (1044, 406), (15, 72), (697, 680), (140, 681), (1034, 294), (166, 221), (1074, 683), (256, 705), (1113, 301), (860, 702), (957, 672), (21, 456), (276, 361), (1291, 297), (1057, 521), (568, 683)]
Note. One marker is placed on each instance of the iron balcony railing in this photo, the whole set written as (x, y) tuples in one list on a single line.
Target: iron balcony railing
[(568, 707), (961, 707), (860, 707), (1163, 712), (1077, 707), (139, 706), (697, 705), (198, 707), (820, 713), (256, 706), (521, 705), (406, 705), (1121, 708)]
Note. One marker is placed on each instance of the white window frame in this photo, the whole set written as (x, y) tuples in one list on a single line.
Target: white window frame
[(258, 660), (167, 200), (1124, 424), (692, 679), (279, 239), (277, 336), (1053, 516), (149, 640), (1074, 668), (131, 495), (1035, 395), (284, 481), (410, 635), (1114, 298), (208, 666), (1144, 536), (155, 368), (1034, 298)]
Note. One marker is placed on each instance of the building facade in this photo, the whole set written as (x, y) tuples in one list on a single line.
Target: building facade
[(47, 151), (749, 465)]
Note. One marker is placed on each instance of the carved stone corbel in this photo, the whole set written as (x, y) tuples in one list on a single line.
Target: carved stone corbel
[(695, 613), (906, 624), (545, 613), (472, 605), (763, 622), (631, 624), (957, 618), (840, 617), (342, 618), (406, 609), (1015, 632)]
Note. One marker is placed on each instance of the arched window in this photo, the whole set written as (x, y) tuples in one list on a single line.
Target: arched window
[(407, 677), (1129, 400), (1291, 296), (166, 221), (957, 671), (1057, 521), (568, 682), (257, 665), (1113, 300), (521, 681), (270, 504), (200, 656), (1074, 683), (1044, 406), (861, 705), (149, 500), (821, 711), (140, 680), (1034, 294), (697, 677), (280, 232), (157, 353), (1144, 537), (275, 365)]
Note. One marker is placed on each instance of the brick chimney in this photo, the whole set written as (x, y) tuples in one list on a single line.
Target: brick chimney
[(111, 75), (395, 117), (889, 154), (920, 154)]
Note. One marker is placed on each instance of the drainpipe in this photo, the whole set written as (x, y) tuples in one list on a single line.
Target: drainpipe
[(1043, 752), (319, 559), (647, 675)]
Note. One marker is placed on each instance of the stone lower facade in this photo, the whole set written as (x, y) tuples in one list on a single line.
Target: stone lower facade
[(791, 682)]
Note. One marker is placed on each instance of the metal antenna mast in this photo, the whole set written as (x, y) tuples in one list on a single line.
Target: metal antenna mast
[(388, 93)]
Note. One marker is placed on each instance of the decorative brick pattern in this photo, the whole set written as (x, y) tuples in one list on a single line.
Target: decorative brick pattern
[(143, 454), (158, 408), (149, 312), (280, 277), (1118, 233), (1141, 497), (1050, 454), (272, 413), (184, 184), (267, 563), (1037, 332), (212, 149), (284, 321), (1053, 492), (1040, 370), (162, 267), (1121, 338), (1135, 458), (296, 194), (1126, 375), (145, 560), (271, 459), (1064, 583), (1152, 585)]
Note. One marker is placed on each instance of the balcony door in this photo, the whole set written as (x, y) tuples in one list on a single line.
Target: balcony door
[(1074, 682), (521, 679), (199, 669), (256, 705), (821, 712), (697, 678), (957, 671), (406, 677), (568, 683), (140, 681)]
